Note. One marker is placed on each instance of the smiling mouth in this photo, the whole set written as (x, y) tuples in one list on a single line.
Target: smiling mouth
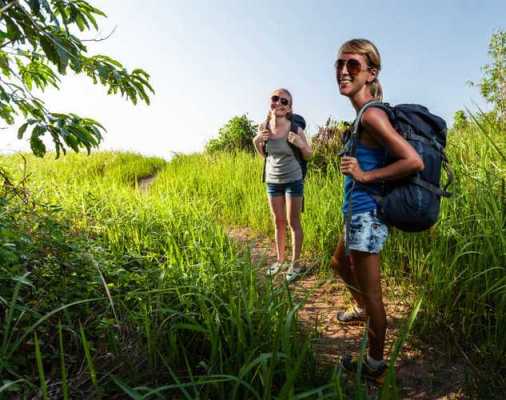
[(344, 83)]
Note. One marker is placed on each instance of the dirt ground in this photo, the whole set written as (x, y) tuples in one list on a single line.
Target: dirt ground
[(423, 371)]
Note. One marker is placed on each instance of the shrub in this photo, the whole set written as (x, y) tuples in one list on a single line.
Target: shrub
[(236, 135), (460, 120), (328, 143)]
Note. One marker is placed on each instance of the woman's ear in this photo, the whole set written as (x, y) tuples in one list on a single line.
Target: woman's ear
[(373, 75)]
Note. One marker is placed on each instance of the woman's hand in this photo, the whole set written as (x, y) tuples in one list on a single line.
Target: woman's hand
[(299, 140), (295, 139), (351, 167), (262, 136)]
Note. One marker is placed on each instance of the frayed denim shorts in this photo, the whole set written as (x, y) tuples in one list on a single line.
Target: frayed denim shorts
[(367, 232), (292, 189)]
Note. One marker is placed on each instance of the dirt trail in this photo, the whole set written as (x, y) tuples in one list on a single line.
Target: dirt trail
[(145, 182), (423, 371)]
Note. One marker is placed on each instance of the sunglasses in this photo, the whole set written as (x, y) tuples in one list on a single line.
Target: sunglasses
[(353, 66), (282, 100)]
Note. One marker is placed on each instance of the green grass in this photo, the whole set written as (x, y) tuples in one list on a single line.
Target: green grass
[(149, 291)]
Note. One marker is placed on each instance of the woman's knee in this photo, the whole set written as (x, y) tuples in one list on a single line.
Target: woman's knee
[(280, 221), (339, 262), (340, 265)]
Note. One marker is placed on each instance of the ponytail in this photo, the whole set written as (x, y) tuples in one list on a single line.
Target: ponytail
[(376, 90)]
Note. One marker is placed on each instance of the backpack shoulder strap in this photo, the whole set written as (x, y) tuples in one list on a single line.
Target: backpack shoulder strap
[(356, 125), (294, 127)]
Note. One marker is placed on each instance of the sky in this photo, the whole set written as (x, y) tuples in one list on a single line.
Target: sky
[(212, 60)]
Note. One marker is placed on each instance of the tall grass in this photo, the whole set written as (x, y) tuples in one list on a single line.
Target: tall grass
[(149, 291)]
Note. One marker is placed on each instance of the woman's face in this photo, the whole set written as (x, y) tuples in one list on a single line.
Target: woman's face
[(352, 73), (281, 104)]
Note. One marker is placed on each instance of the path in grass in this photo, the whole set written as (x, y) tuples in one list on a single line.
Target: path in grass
[(145, 182), (423, 371)]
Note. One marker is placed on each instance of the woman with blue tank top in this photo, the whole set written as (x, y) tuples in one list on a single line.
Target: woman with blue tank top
[(284, 177), (357, 67)]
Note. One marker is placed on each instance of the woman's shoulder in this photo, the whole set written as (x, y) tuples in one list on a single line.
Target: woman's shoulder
[(377, 125), (374, 116)]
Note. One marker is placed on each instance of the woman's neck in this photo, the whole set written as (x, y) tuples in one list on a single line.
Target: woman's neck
[(277, 121), (360, 99)]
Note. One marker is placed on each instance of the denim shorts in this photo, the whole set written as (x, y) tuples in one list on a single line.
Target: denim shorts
[(292, 189), (367, 232)]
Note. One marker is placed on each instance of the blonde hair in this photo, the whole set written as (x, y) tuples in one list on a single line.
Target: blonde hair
[(369, 51)]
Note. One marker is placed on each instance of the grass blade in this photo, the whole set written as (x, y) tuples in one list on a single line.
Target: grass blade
[(40, 368), (87, 353), (62, 364)]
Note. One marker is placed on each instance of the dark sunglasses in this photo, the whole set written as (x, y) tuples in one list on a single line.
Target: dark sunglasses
[(282, 100), (353, 66)]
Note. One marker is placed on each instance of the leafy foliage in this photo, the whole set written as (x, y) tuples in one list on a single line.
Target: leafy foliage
[(460, 120), (236, 135), (493, 84), (37, 46), (327, 144)]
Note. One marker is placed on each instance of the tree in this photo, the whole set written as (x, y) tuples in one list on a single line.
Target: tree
[(237, 134), (38, 44), (460, 120), (493, 84)]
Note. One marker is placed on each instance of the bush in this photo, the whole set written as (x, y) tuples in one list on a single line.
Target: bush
[(328, 143), (460, 120), (236, 135)]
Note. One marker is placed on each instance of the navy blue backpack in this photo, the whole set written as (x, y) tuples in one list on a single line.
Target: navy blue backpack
[(411, 204)]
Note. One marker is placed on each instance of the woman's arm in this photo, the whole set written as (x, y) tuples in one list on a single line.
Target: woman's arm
[(299, 140), (377, 124), (259, 140)]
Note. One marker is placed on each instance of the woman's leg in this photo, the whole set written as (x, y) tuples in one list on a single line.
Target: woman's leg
[(367, 270), (277, 204), (342, 266), (294, 207)]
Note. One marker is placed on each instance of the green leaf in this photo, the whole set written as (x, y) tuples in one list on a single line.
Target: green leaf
[(35, 6), (48, 47), (13, 31), (38, 147), (22, 130)]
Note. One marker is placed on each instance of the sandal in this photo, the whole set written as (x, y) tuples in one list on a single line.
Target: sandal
[(352, 314), (274, 268), (294, 273), (374, 375)]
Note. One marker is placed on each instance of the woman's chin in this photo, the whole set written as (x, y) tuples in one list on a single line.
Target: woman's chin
[(344, 91)]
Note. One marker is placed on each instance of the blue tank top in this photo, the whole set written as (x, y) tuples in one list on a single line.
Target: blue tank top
[(368, 159)]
